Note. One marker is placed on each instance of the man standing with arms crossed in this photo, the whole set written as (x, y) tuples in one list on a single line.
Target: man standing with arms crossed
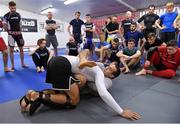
[(51, 27)]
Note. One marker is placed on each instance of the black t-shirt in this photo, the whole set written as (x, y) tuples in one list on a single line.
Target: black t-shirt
[(112, 27), (89, 26), (149, 20), (13, 19), (157, 42), (52, 31), (76, 24), (126, 25), (73, 49), (113, 56), (42, 52)]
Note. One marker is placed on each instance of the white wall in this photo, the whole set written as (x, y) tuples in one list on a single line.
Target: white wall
[(31, 38)]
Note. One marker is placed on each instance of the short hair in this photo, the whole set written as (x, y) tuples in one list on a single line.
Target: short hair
[(152, 5), (77, 12), (128, 12), (88, 15), (118, 71), (132, 40), (116, 40), (109, 17), (172, 43), (134, 23), (169, 4), (40, 41), (12, 3), (151, 35)]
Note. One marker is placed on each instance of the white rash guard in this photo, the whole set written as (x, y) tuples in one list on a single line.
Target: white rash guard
[(96, 75)]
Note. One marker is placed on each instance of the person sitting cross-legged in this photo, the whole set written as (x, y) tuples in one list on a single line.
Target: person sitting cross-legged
[(129, 56)]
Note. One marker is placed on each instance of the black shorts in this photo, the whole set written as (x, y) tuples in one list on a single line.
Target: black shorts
[(77, 38), (15, 38), (167, 36), (147, 31), (59, 73)]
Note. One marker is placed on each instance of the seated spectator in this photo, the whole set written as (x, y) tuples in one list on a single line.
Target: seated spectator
[(129, 56), (71, 47), (41, 55), (101, 48), (152, 41), (136, 35), (113, 49), (166, 60)]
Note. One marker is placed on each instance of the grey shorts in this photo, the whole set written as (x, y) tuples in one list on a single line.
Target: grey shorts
[(51, 40)]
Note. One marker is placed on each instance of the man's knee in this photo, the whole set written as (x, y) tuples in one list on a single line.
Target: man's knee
[(170, 73), (5, 52), (12, 49), (121, 59)]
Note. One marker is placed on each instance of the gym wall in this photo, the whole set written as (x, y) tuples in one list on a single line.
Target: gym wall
[(32, 37)]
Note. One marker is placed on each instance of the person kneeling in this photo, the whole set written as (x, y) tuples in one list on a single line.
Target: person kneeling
[(129, 56), (165, 59), (41, 55)]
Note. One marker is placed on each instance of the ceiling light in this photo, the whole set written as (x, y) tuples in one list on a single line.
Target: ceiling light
[(48, 9), (126, 4), (69, 1)]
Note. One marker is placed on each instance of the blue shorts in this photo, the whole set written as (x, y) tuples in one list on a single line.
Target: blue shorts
[(89, 44)]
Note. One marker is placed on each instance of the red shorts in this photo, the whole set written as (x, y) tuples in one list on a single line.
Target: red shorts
[(2, 44)]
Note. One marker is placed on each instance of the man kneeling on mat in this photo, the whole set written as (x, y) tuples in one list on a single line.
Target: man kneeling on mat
[(91, 71), (165, 59)]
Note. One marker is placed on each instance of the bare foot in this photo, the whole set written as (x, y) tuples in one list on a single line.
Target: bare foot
[(142, 72), (6, 69), (38, 69), (42, 69), (23, 104), (122, 69), (127, 71)]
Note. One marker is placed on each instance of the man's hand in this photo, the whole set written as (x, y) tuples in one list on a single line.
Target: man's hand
[(163, 27), (128, 114)]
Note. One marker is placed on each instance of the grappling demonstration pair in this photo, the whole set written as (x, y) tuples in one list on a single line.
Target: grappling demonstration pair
[(68, 75)]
